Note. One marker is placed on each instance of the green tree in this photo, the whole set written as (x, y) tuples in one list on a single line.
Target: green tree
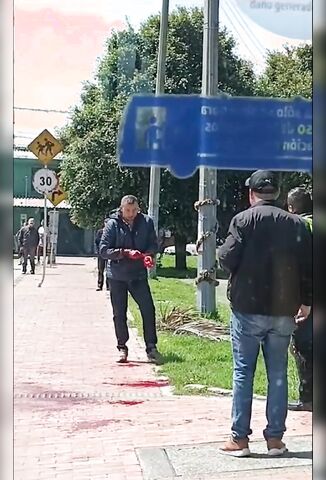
[(90, 172), (288, 74)]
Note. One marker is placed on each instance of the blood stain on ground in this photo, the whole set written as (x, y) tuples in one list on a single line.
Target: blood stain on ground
[(146, 384)]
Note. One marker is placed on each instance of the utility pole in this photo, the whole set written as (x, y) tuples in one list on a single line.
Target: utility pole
[(206, 295), (155, 174)]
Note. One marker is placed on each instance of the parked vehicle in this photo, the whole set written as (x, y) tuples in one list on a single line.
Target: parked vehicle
[(190, 249)]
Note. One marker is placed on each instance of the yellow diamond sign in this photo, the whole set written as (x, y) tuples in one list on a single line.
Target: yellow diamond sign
[(45, 146), (57, 196)]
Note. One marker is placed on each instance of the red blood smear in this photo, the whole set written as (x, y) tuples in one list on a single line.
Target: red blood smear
[(146, 384)]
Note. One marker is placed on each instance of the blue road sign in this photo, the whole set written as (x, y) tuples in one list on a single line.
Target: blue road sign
[(184, 132)]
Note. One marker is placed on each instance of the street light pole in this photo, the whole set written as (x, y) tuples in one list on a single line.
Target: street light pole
[(206, 298), (155, 173)]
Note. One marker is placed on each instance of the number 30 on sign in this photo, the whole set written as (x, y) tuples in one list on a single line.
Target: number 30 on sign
[(45, 181)]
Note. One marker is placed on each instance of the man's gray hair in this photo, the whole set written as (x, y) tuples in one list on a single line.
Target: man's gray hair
[(130, 199)]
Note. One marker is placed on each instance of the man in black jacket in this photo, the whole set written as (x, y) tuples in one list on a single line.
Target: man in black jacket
[(101, 263), (129, 242), (268, 255), (28, 241), (300, 202)]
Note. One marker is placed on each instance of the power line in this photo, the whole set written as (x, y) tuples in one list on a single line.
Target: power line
[(41, 110), (244, 42), (246, 27)]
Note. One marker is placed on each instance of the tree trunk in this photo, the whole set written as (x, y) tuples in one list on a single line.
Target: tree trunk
[(180, 253)]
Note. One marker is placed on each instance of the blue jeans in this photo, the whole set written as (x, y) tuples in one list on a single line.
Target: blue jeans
[(248, 332)]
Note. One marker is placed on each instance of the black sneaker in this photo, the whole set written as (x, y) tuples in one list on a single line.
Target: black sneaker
[(123, 355), (99, 289), (24, 272), (154, 356), (32, 272), (300, 407)]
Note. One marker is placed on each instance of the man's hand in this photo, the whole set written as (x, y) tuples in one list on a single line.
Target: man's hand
[(148, 261), (302, 314), (133, 254)]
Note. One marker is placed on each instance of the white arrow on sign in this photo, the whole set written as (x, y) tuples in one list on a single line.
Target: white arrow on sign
[(45, 180)]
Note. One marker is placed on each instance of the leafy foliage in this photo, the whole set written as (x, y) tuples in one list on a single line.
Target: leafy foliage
[(90, 173), (289, 74)]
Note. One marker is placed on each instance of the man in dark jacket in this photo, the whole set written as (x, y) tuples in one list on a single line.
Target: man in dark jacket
[(128, 242), (28, 241), (299, 202), (19, 248), (101, 263), (268, 255)]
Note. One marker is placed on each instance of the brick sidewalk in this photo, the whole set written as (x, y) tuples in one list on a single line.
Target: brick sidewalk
[(79, 414)]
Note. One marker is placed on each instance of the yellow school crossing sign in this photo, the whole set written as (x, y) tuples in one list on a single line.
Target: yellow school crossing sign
[(45, 146)]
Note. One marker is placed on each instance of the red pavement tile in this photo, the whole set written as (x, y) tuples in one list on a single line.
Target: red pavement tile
[(95, 413)]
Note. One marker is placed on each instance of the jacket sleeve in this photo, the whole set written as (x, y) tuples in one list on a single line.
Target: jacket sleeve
[(98, 237), (305, 259), (230, 253), (20, 238), (107, 248), (152, 247)]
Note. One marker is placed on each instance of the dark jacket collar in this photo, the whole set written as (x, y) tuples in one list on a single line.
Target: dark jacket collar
[(272, 203)]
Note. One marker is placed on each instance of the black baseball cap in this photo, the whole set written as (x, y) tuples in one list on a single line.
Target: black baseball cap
[(263, 181)]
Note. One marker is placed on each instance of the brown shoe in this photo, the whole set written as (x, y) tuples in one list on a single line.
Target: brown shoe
[(276, 447), (236, 448)]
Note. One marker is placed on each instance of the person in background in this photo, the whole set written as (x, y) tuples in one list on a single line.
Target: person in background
[(19, 249), (101, 263), (28, 242), (268, 255), (129, 242), (299, 202)]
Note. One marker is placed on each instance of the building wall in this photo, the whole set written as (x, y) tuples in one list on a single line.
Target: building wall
[(72, 240)]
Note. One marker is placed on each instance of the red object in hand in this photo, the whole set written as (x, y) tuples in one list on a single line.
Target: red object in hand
[(148, 261)]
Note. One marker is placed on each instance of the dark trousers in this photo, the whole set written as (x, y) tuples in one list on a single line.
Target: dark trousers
[(101, 267), (29, 252), (140, 292), (302, 351)]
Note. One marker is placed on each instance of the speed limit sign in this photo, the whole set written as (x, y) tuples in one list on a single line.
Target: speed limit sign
[(45, 180)]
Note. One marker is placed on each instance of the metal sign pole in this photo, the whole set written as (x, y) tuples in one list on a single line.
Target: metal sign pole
[(155, 174), (53, 234), (45, 147), (206, 296), (52, 245), (44, 239)]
